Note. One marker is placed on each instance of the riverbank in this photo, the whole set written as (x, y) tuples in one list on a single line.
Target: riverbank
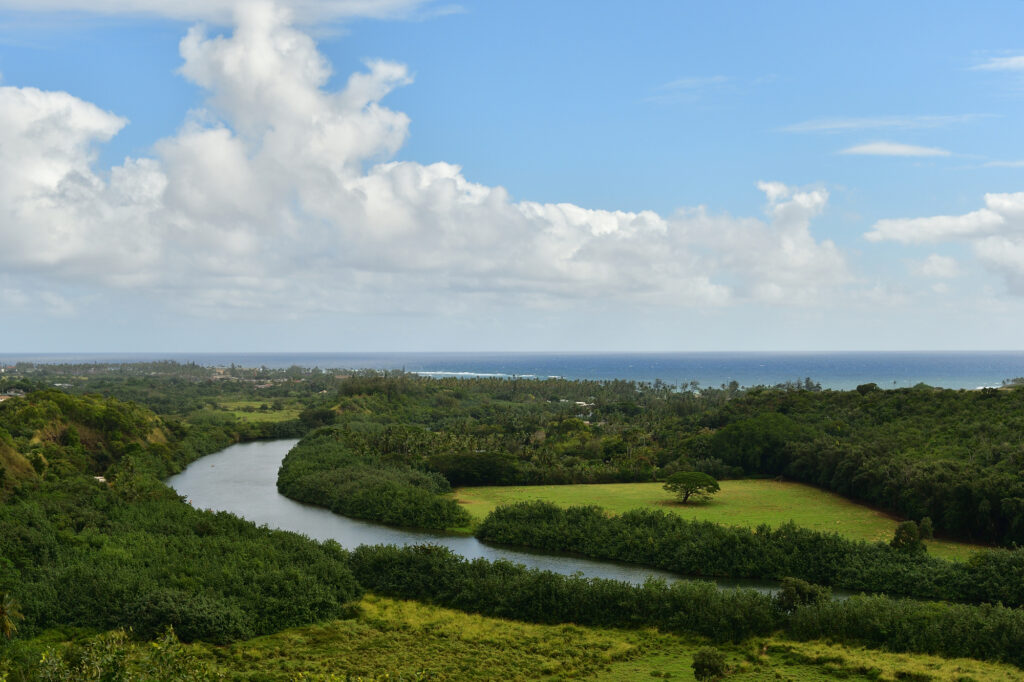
[(241, 480)]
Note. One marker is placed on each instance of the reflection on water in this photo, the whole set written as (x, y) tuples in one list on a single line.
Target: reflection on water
[(242, 479)]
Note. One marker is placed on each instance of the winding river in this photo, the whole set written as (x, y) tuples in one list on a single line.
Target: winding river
[(242, 480)]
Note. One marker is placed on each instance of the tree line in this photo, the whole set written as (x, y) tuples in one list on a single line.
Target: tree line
[(435, 575), (700, 548), (952, 456)]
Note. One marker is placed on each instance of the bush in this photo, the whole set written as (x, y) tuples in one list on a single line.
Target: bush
[(794, 592), (193, 617), (709, 664)]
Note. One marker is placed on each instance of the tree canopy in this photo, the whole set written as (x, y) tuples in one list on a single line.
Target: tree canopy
[(695, 484)]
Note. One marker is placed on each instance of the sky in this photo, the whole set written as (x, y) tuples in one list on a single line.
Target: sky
[(417, 175)]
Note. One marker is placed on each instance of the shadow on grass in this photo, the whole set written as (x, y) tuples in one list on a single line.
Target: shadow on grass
[(689, 504)]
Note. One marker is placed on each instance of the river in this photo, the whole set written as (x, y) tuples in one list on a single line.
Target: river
[(242, 480)]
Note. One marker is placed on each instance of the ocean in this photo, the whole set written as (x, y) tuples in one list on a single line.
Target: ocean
[(833, 370)]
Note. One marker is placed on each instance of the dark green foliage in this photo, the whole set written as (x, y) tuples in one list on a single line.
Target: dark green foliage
[(708, 664), (315, 417), (128, 552), (10, 615), (670, 542), (716, 468), (794, 592), (73, 551), (907, 538), (954, 456), (437, 576), (984, 632), (79, 554), (366, 476), (757, 444), (195, 616)]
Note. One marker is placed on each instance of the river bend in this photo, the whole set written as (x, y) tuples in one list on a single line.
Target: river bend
[(242, 480)]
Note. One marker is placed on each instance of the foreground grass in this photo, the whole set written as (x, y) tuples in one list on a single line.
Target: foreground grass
[(409, 640), (748, 502), (401, 640)]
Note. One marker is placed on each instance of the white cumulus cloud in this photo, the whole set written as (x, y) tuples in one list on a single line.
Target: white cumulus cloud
[(995, 234), (282, 195)]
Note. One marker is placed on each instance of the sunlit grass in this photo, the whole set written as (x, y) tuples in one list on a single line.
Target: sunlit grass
[(390, 639), (748, 502), (406, 640), (249, 410)]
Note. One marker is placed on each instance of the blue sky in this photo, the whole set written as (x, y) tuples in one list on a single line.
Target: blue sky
[(510, 175)]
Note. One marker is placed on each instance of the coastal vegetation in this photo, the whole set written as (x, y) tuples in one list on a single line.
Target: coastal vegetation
[(951, 456), (97, 555)]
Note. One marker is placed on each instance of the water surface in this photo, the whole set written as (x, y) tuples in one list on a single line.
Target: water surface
[(242, 480), (835, 370)]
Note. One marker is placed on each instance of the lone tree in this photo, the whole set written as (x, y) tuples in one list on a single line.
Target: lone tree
[(907, 538), (687, 484)]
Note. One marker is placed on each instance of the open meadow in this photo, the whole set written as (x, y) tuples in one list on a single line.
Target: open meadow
[(745, 502)]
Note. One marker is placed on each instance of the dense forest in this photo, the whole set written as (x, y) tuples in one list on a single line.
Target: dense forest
[(368, 475), (90, 538), (954, 457)]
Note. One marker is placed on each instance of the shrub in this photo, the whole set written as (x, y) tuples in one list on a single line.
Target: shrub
[(709, 664)]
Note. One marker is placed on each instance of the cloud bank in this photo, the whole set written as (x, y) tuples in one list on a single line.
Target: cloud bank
[(282, 195), (995, 233)]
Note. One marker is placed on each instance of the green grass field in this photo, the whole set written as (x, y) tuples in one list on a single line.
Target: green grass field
[(409, 640), (740, 503), (249, 410)]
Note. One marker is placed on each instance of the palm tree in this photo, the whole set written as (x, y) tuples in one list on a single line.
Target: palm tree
[(10, 613)]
